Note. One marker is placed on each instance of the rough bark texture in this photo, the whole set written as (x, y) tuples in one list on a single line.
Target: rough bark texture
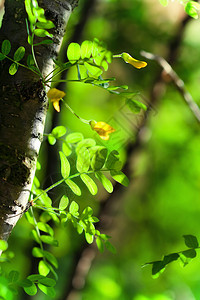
[(23, 107)]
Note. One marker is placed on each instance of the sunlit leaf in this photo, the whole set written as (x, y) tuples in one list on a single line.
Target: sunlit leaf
[(45, 25), (49, 291), (19, 53), (105, 181), (73, 186), (43, 268), (64, 201), (120, 177), (73, 208), (13, 69), (83, 160), (94, 70), (98, 157), (3, 245), (31, 290), (191, 9), (49, 240), (91, 185), (86, 49), (42, 33), (65, 165), (74, 137), (59, 131), (73, 52)]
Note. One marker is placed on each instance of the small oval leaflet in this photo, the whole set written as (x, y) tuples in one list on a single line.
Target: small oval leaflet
[(91, 185), (74, 52), (65, 165), (19, 53), (13, 69), (6, 47), (73, 186)]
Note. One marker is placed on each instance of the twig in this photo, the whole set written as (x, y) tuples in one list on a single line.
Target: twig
[(178, 82)]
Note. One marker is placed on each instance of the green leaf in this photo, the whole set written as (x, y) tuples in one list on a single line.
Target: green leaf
[(19, 53), (28, 7), (85, 143), (45, 228), (98, 157), (43, 268), (73, 209), (113, 162), (51, 139), (35, 277), (45, 25), (13, 69), (6, 47), (31, 290), (190, 253), (74, 137), (59, 131), (65, 165), (73, 52), (83, 160), (51, 258), (119, 177), (35, 236), (191, 241), (64, 201), (135, 106), (49, 291), (25, 283), (37, 252), (91, 185), (49, 282), (86, 49), (105, 181), (43, 198), (13, 276), (89, 238), (44, 42), (3, 245), (94, 70), (169, 258), (29, 218), (87, 212), (66, 149), (2, 57), (110, 247), (30, 60), (73, 186), (157, 267), (49, 240), (100, 244), (191, 9), (42, 33), (164, 2)]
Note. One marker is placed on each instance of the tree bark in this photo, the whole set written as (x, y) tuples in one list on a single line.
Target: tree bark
[(23, 107)]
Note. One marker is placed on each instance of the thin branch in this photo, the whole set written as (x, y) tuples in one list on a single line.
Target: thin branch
[(178, 82)]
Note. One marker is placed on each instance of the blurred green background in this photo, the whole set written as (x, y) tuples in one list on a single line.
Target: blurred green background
[(147, 219)]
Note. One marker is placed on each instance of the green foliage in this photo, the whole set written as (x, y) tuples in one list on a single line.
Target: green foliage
[(191, 7), (184, 256)]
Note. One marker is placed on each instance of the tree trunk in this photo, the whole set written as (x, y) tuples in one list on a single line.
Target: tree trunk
[(23, 107)]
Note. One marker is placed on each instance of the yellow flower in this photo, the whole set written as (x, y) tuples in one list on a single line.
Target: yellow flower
[(55, 95), (134, 62), (103, 129)]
